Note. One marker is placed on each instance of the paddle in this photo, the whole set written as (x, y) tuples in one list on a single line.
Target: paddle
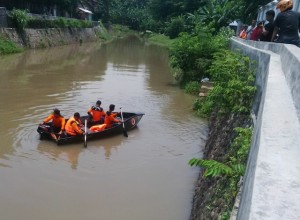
[(85, 130), (124, 130)]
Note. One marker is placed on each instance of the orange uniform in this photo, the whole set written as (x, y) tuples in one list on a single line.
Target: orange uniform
[(73, 127), (110, 119), (97, 128), (57, 121), (96, 112)]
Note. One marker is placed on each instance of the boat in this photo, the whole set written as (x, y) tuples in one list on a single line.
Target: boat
[(130, 120)]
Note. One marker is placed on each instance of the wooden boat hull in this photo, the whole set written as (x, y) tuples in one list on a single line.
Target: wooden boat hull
[(130, 122)]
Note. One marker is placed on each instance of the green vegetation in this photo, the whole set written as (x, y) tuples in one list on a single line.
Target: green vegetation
[(227, 172), (58, 23), (161, 16), (20, 18), (233, 85), (160, 39), (8, 47), (192, 54), (192, 88), (236, 158)]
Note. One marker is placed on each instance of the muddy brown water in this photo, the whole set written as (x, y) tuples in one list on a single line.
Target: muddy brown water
[(145, 176)]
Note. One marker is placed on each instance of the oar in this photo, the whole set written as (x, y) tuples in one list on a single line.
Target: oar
[(124, 130), (85, 131)]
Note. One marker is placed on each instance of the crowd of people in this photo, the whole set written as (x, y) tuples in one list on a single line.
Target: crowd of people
[(98, 120), (282, 29)]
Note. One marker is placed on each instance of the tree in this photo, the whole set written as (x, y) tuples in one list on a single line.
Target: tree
[(219, 13), (250, 8), (165, 9)]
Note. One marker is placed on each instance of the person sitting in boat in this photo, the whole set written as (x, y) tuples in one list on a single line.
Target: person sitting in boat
[(96, 114), (56, 122), (110, 118), (74, 125)]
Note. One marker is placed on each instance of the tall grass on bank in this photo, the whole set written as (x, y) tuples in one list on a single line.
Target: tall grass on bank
[(8, 47)]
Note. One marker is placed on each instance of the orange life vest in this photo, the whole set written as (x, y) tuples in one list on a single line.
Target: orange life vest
[(98, 127), (72, 127), (110, 119), (58, 122), (97, 113)]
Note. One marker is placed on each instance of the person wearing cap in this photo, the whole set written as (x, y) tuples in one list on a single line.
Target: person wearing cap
[(73, 125), (96, 114), (110, 118), (56, 122)]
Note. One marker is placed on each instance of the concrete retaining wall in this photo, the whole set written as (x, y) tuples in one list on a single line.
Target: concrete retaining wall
[(40, 38), (271, 187)]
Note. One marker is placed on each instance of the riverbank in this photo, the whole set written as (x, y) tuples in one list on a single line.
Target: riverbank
[(214, 196), (51, 37), (12, 41), (42, 38)]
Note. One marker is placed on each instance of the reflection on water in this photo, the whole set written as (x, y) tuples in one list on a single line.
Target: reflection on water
[(149, 168)]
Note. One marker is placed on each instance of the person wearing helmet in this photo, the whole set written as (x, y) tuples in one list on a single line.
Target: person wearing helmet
[(96, 114), (287, 24)]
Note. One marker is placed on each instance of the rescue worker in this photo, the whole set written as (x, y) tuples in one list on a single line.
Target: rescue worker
[(56, 122), (74, 124), (110, 118), (96, 114)]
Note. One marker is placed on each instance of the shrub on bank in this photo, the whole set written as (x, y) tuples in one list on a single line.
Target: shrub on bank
[(192, 88), (193, 53), (22, 20), (8, 47)]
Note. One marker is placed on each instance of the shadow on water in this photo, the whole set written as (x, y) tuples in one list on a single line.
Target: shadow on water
[(71, 153)]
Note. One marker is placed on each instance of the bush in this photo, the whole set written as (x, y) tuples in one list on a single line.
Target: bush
[(20, 18), (233, 89), (192, 88), (58, 23), (7, 47), (175, 27), (193, 53)]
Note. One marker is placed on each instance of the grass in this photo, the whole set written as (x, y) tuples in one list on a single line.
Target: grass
[(8, 47), (160, 39)]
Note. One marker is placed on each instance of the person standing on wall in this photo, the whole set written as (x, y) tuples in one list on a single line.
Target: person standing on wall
[(267, 32), (287, 24)]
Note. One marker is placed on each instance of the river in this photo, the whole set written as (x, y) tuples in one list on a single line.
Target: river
[(143, 177)]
